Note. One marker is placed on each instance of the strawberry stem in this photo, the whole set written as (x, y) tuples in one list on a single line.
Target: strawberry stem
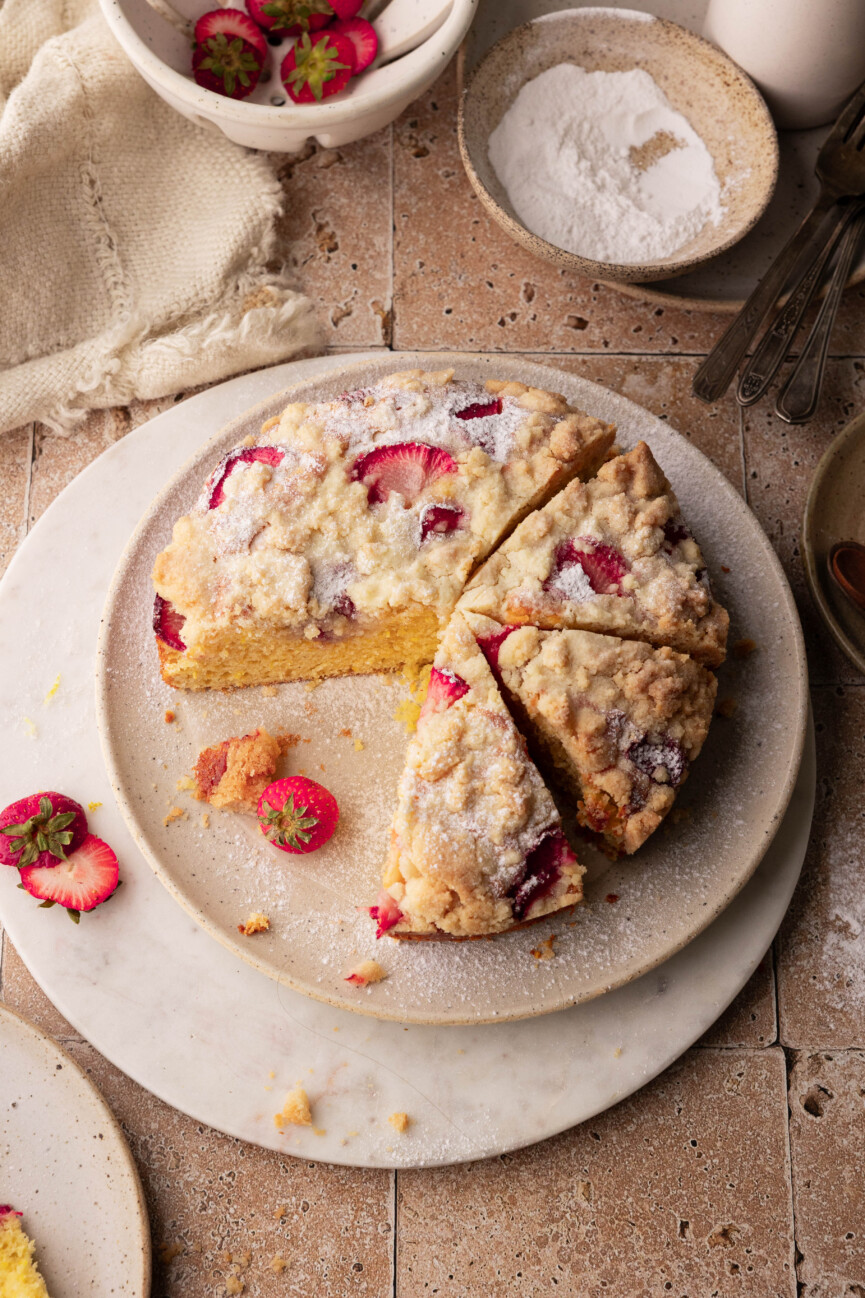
[(314, 65), (43, 832), (289, 825), (295, 13), (229, 60)]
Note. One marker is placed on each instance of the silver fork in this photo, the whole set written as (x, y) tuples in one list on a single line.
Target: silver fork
[(840, 169)]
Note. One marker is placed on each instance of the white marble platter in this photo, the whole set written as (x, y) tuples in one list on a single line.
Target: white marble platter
[(178, 1012), (65, 1165)]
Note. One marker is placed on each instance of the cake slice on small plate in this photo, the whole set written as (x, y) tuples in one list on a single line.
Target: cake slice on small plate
[(616, 723), (477, 846), (340, 537), (612, 555)]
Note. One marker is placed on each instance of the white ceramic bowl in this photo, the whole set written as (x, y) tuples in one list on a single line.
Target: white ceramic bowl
[(162, 56)]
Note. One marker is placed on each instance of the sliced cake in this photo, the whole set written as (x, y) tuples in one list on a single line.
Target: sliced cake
[(339, 538), (612, 555), (476, 845), (616, 723)]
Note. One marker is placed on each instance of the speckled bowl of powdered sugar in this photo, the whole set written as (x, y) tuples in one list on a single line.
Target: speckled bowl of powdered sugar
[(616, 144)]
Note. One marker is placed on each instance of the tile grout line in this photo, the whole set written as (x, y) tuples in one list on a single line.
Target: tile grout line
[(392, 238), (393, 1252), (791, 1190)]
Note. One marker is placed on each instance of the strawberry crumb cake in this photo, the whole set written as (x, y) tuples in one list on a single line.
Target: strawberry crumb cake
[(616, 722), (339, 539), (476, 845), (612, 555)]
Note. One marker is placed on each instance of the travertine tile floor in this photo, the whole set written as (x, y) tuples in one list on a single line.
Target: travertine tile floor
[(739, 1171)]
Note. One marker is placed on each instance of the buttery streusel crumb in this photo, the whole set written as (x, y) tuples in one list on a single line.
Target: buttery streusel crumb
[(399, 1121), (544, 950), (176, 813), (170, 716), (257, 923), (368, 971), (295, 1112)]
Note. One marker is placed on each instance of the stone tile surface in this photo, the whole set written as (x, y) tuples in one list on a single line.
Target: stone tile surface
[(20, 991), (751, 1020), (821, 950), (827, 1143), (682, 1190)]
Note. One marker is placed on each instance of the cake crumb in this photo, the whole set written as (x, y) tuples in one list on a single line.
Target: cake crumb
[(399, 1121), (185, 784), (368, 971), (54, 688), (617, 1053), (176, 813), (295, 1112), (319, 1131), (544, 951), (612, 898), (743, 648), (91, 806), (358, 745), (170, 716), (168, 1252), (406, 713), (256, 923), (726, 708), (287, 740), (205, 820), (278, 1264), (346, 732), (724, 568)]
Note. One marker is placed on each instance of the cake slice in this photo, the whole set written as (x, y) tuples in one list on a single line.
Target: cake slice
[(612, 555), (19, 1274), (233, 774), (339, 538), (615, 723), (476, 845)]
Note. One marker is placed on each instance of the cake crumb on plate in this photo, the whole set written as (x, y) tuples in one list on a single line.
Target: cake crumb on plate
[(399, 1121), (175, 813), (295, 1112), (368, 971), (256, 923), (544, 951)]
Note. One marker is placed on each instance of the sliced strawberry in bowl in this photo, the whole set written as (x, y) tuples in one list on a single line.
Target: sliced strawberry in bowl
[(317, 67), (41, 829), (385, 912), (168, 624), (345, 9), (225, 61), (363, 38), (297, 815), (271, 455), (439, 520), (442, 692), (406, 468), (83, 881), (291, 17)]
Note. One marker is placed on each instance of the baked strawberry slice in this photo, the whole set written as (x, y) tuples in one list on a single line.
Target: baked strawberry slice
[(363, 38), (290, 17), (543, 867), (480, 410), (490, 645), (271, 455), (83, 881), (442, 692), (168, 623), (585, 567), (297, 815), (406, 468), (41, 829), (661, 758), (317, 67), (385, 912), (438, 520), (228, 63)]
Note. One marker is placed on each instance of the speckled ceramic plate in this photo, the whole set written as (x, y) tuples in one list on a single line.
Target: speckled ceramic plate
[(65, 1165), (729, 809), (834, 511)]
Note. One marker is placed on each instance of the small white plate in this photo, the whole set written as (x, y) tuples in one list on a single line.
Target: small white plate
[(65, 1165)]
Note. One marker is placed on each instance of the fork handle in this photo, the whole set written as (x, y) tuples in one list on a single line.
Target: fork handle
[(716, 372), (775, 344), (799, 399)]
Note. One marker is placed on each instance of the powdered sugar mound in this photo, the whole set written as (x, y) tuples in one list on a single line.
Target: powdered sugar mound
[(572, 581), (565, 153)]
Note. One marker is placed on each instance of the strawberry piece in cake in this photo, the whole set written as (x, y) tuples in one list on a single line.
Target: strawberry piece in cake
[(615, 722), (340, 538), (476, 845), (612, 555)]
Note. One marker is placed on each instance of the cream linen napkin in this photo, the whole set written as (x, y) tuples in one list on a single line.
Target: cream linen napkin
[(133, 245)]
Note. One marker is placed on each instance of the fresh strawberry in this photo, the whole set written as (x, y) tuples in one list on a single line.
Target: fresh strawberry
[(543, 866), (6, 1210), (225, 61), (385, 912), (84, 880), (168, 623), (480, 410), (603, 566), (442, 692), (297, 815), (363, 38), (291, 17), (405, 468), (230, 22), (41, 830), (317, 66), (438, 520), (271, 455), (491, 644), (345, 9)]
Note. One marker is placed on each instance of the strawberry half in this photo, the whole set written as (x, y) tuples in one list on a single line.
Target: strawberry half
[(290, 16), (405, 468), (317, 66), (83, 881), (363, 38), (226, 61), (297, 815), (168, 623), (385, 912), (442, 692), (41, 830), (271, 455)]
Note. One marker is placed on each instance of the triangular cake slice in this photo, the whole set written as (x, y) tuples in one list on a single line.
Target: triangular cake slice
[(339, 538), (476, 845), (615, 723), (612, 555)]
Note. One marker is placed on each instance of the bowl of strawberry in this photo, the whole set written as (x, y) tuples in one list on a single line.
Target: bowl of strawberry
[(271, 74)]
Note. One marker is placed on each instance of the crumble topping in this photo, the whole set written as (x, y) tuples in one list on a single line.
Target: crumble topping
[(295, 1112)]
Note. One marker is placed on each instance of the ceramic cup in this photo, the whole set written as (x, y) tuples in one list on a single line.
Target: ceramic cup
[(806, 56)]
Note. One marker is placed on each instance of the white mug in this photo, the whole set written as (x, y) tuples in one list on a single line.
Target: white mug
[(806, 56)]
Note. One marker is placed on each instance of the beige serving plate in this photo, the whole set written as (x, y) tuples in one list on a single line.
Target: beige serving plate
[(665, 895)]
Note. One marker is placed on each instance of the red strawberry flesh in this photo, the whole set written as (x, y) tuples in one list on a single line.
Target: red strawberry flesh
[(491, 644), (231, 22), (168, 623), (385, 912), (317, 66), (480, 410), (290, 16), (41, 829), (363, 38), (603, 565), (406, 468), (443, 691), (271, 455), (84, 880), (345, 9), (438, 520), (543, 868), (297, 815)]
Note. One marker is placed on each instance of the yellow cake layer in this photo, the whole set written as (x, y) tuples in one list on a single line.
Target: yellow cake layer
[(19, 1275)]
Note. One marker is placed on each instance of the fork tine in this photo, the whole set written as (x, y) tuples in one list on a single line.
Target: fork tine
[(849, 115)]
